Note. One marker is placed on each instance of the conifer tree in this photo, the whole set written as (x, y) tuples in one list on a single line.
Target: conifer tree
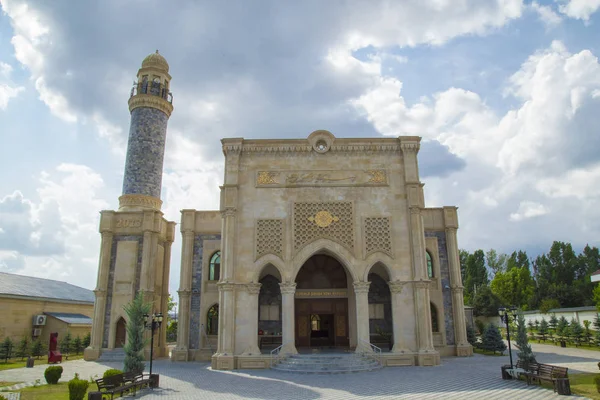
[(576, 330), (525, 353), (23, 349), (66, 344), (77, 345), (134, 348), (562, 328), (543, 329), (553, 322), (537, 324), (587, 334), (6, 349), (87, 339), (38, 348), (492, 339), (471, 337)]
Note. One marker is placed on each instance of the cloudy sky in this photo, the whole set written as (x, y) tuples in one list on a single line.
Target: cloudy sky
[(505, 93)]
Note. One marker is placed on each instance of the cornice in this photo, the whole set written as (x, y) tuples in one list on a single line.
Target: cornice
[(146, 100)]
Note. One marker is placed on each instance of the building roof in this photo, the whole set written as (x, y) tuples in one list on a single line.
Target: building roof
[(595, 277), (70, 318), (47, 289)]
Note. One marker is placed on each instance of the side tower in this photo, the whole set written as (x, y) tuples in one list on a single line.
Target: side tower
[(136, 242)]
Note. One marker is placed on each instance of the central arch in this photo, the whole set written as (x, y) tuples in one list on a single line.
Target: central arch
[(323, 288)]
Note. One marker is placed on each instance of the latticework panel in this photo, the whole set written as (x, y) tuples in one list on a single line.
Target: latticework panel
[(377, 235), (269, 237), (332, 220)]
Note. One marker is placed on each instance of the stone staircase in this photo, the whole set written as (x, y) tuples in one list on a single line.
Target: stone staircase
[(327, 363), (113, 355)]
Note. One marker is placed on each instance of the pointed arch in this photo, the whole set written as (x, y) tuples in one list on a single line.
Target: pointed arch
[(212, 320), (435, 322), (214, 266), (429, 260), (328, 247), (379, 259), (265, 261)]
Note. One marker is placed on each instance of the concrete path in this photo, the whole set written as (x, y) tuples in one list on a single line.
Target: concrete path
[(576, 359), (476, 377)]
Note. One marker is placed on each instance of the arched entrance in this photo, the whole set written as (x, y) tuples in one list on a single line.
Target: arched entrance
[(121, 333), (322, 303)]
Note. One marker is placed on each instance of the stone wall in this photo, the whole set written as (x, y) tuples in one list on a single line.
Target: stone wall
[(445, 283), (145, 152), (196, 319)]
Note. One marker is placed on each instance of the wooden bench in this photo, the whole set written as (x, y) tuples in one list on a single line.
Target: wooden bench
[(546, 372), (122, 383)]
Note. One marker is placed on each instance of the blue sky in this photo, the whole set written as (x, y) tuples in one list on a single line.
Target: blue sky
[(505, 94)]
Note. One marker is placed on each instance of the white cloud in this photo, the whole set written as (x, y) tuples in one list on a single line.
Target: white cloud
[(528, 209), (546, 14), (8, 90), (580, 183), (579, 9)]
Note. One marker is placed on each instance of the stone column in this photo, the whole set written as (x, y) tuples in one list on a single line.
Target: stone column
[(288, 289), (361, 292), (185, 289), (399, 342), (425, 336), (226, 318), (253, 290), (463, 348), (93, 351), (164, 296)]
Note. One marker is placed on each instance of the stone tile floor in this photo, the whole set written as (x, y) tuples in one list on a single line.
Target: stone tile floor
[(477, 377)]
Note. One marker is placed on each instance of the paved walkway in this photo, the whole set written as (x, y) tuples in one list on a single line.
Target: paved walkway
[(477, 377)]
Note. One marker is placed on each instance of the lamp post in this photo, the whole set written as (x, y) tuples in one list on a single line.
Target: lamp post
[(152, 323), (505, 314)]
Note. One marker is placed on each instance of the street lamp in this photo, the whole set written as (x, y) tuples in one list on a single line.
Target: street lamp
[(505, 314), (152, 324)]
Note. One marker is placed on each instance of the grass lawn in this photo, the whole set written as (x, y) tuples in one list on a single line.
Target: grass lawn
[(485, 352), (17, 363), (7, 383), (59, 391), (583, 384)]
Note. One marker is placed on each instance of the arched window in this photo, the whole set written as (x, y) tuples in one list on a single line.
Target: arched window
[(315, 322), (214, 273), (429, 265), (212, 320), (434, 318)]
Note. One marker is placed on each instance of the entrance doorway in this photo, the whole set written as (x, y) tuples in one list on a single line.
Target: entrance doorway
[(120, 334), (322, 304)]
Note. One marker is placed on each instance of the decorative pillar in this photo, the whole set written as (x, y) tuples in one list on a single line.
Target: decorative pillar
[(399, 342), (288, 289), (93, 351), (463, 348), (223, 359), (180, 353), (253, 290), (361, 292)]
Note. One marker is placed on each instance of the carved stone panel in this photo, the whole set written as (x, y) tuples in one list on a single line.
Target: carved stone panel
[(332, 220), (377, 235), (344, 177), (269, 237)]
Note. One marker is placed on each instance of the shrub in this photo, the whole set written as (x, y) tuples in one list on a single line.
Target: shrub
[(52, 374), (597, 382), (492, 339), (111, 372), (86, 340), (471, 338), (480, 326), (77, 388)]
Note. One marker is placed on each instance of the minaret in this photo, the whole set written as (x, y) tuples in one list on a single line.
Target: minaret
[(135, 250), (150, 105)]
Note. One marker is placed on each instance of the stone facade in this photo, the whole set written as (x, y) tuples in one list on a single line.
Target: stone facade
[(290, 204)]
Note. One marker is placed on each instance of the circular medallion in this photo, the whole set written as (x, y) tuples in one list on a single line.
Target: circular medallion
[(324, 219)]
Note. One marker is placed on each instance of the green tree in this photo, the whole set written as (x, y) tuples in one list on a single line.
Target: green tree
[(553, 322), (6, 349), (495, 262), (492, 339), (514, 287), (87, 339), (134, 348), (525, 353), (518, 259), (543, 329), (23, 347), (562, 329), (38, 348), (471, 337), (587, 334), (576, 331), (476, 274), (485, 302), (463, 256), (77, 345), (66, 345), (548, 304)]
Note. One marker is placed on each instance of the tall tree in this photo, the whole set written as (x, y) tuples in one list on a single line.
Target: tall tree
[(495, 262), (134, 348), (485, 302), (463, 256), (525, 353), (476, 274), (514, 287)]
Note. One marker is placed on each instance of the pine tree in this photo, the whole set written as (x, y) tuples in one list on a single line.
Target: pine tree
[(525, 353), (543, 329), (66, 344), (134, 348), (562, 328), (576, 330), (23, 347), (77, 345), (471, 337), (553, 322), (6, 349), (537, 324), (492, 339), (87, 339), (587, 334), (38, 348)]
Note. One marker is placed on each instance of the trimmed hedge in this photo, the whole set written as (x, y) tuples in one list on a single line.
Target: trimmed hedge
[(111, 372), (52, 374), (77, 388)]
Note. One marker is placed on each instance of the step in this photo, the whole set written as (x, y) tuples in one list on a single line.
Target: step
[(112, 355), (326, 364)]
